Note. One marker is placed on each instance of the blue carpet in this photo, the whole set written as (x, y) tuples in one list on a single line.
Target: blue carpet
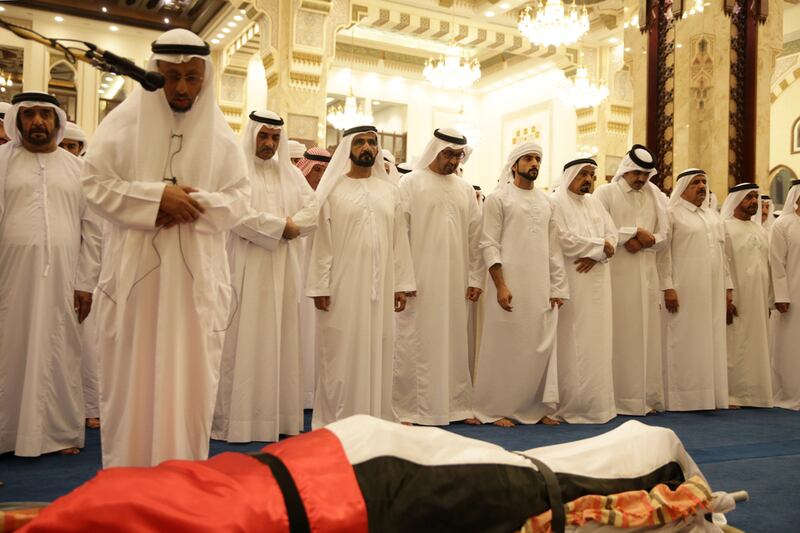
[(757, 450)]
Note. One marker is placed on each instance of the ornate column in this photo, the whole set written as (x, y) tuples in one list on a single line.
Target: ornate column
[(298, 40)]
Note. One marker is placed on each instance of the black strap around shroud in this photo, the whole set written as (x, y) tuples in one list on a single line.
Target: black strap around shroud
[(298, 519)]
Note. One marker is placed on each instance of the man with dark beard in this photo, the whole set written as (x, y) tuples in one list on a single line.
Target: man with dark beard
[(359, 271), (48, 268)]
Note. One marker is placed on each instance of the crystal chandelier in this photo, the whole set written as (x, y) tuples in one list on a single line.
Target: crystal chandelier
[(582, 92), (551, 25), (350, 114), (453, 70), (5, 81)]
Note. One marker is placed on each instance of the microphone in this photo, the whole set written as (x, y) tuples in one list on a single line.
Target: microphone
[(149, 80)]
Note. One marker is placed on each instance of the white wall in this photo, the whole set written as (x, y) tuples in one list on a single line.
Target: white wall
[(390, 118), (783, 113)]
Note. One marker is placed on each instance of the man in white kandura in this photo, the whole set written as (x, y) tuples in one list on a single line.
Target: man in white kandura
[(784, 259), (432, 385), (312, 166), (261, 378), (694, 277), (639, 211), (588, 240), (358, 275), (767, 212), (49, 261), (167, 173), (747, 253), (76, 143), (515, 378)]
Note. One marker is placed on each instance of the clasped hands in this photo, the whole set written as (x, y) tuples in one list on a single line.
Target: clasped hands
[(585, 264), (642, 240)]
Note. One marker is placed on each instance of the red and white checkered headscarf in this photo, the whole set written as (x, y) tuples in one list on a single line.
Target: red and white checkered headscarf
[(309, 160)]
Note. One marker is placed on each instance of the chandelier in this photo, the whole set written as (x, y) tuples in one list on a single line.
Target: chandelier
[(453, 70), (5, 81), (350, 114), (551, 25), (582, 92)]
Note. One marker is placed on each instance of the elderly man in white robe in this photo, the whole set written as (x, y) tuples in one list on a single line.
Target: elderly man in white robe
[(784, 255), (74, 140), (747, 253), (639, 211), (49, 262), (166, 172), (261, 378), (432, 384), (588, 240), (767, 213), (693, 273), (358, 276), (515, 379)]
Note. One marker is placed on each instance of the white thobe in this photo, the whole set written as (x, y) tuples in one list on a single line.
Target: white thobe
[(785, 327), (261, 379), (360, 258), (164, 306), (516, 373), (749, 373), (638, 381), (432, 384), (90, 357), (694, 264), (585, 376), (309, 332), (47, 251)]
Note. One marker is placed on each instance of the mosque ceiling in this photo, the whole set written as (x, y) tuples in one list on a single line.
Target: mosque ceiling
[(151, 14)]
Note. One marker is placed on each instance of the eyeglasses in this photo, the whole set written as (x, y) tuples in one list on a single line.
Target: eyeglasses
[(458, 156), (191, 79)]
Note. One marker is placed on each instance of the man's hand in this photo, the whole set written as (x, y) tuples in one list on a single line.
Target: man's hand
[(176, 203), (585, 264), (731, 311), (411, 294), (633, 245), (609, 250), (473, 293), (782, 307), (164, 220), (291, 230), (504, 298), (671, 300), (323, 303), (556, 302), (399, 301), (645, 238), (82, 302)]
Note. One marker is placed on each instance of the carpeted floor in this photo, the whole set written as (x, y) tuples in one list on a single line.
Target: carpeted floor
[(757, 450)]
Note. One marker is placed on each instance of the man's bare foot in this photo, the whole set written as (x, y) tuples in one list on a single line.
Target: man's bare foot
[(547, 421), (407, 423), (504, 423), (69, 451), (472, 421), (651, 412), (734, 407), (93, 423)]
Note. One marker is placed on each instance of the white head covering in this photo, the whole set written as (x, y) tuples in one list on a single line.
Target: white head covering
[(767, 224), (443, 138), (735, 196), (571, 171), (340, 164), (684, 178), (335, 173), (506, 174), (296, 149), (290, 176), (75, 133), (31, 99), (4, 107), (146, 123), (790, 205), (640, 158), (388, 157)]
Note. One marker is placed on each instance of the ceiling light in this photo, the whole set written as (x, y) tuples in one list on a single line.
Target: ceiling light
[(104, 85), (242, 11), (627, 49), (376, 102), (214, 41), (237, 17), (553, 24), (504, 6), (583, 92), (613, 40), (226, 30), (104, 9), (2, 8), (166, 20), (109, 78), (679, 45), (58, 18), (220, 36), (452, 70), (231, 24), (100, 91), (489, 14), (113, 28)]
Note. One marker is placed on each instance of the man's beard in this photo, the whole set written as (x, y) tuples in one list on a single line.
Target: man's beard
[(364, 160), (39, 141), (531, 174)]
